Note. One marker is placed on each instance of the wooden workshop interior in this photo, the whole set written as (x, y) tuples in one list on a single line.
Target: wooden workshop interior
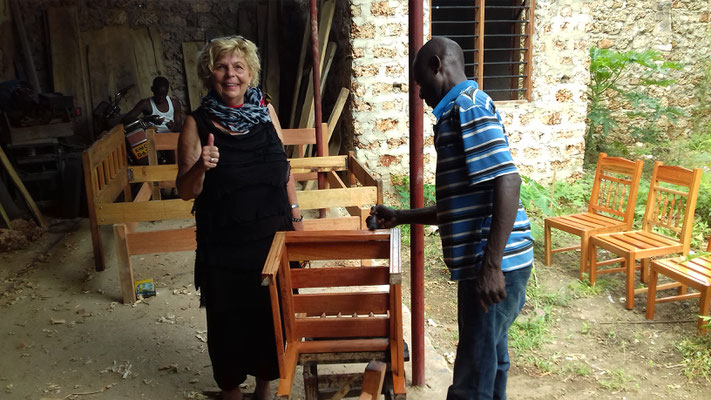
[(69, 70)]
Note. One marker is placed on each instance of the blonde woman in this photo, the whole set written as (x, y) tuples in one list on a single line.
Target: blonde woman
[(233, 164)]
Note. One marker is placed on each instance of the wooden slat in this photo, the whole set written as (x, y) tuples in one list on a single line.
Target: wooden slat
[(128, 291), (345, 303), (271, 264), (319, 164), (324, 224), (338, 251), (154, 173), (163, 241), (166, 140), (108, 193), (339, 276), (299, 136), (196, 90), (660, 238), (344, 345), (141, 212), (674, 174), (382, 235), (395, 265), (327, 198), (343, 327), (360, 172), (25, 194)]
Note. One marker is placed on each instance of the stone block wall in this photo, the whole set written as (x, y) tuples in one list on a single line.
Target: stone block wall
[(679, 29), (546, 135)]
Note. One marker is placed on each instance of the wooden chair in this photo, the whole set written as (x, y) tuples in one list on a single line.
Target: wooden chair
[(611, 207), (666, 227), (694, 273), (331, 319)]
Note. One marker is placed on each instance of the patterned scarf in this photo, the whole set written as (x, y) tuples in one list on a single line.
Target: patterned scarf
[(254, 110)]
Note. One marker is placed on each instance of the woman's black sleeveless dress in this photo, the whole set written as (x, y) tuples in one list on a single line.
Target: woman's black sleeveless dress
[(242, 204)]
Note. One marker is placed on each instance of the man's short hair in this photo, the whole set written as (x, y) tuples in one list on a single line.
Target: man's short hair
[(161, 81)]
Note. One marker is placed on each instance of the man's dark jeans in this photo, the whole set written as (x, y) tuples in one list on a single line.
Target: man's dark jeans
[(482, 361)]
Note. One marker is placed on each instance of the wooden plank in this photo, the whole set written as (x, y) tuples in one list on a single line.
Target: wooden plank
[(337, 110), (153, 173), (327, 198), (395, 257), (300, 72), (196, 90), (373, 378), (112, 65), (325, 20), (336, 224), (28, 61), (344, 327), (148, 53), (69, 75), (105, 146), (344, 345), (163, 241), (117, 213), (152, 158), (166, 140), (382, 235), (123, 260), (319, 164), (299, 136), (21, 187), (339, 276), (330, 53), (345, 303), (338, 251), (7, 43), (271, 264)]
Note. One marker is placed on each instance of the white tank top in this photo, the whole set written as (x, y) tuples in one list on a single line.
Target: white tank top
[(168, 116)]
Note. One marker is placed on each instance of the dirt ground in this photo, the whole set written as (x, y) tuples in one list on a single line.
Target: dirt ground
[(65, 334)]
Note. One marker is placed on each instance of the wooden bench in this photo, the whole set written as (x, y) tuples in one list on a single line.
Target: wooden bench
[(107, 175), (335, 313)]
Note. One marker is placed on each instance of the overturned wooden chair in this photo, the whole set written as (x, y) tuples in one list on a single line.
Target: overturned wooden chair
[(340, 314), (610, 209), (666, 227), (693, 272)]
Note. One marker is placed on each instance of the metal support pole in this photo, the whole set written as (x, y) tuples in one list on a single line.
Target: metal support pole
[(320, 146), (417, 200)]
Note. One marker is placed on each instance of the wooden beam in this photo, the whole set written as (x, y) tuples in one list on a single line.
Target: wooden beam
[(116, 213), (196, 90), (327, 198), (25, 194), (164, 241)]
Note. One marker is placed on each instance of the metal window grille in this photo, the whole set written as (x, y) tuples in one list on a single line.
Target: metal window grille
[(497, 51)]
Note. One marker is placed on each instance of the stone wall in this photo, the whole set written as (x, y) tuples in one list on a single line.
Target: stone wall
[(546, 134), (679, 29)]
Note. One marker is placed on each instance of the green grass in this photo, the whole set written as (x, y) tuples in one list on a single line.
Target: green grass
[(696, 356), (618, 380)]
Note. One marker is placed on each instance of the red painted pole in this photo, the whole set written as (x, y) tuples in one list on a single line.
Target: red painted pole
[(317, 95), (417, 200)]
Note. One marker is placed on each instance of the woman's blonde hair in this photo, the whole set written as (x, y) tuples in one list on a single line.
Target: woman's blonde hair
[(218, 47)]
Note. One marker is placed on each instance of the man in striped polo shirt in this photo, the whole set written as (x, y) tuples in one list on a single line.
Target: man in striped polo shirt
[(486, 235)]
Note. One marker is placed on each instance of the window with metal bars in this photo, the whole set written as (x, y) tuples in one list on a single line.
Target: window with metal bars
[(496, 38)]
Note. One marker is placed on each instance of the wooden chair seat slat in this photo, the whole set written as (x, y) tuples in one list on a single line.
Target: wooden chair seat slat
[(669, 241)]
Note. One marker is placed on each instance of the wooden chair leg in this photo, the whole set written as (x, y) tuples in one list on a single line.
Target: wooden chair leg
[(592, 255), (123, 261), (651, 293), (644, 273), (583, 254), (704, 308), (629, 284), (547, 243)]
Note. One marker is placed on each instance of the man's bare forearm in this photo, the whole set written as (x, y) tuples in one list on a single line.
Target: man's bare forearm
[(507, 189), (425, 216)]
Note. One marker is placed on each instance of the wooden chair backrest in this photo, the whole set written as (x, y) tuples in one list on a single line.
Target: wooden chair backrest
[(106, 167), (671, 202), (614, 191), (337, 309)]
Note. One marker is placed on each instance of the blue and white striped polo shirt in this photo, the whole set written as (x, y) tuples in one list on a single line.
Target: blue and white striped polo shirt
[(472, 150)]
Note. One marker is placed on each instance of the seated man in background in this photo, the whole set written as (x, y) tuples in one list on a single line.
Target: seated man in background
[(160, 110)]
